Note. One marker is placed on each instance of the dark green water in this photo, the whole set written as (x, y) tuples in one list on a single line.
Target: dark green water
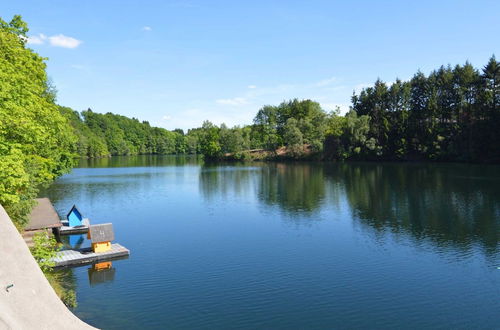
[(295, 245)]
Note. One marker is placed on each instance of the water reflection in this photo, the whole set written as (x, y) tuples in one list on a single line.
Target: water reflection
[(227, 179), (75, 241), (443, 202), (298, 189), (140, 161), (447, 203), (101, 273)]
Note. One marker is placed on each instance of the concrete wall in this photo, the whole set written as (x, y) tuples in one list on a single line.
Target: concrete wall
[(31, 303)]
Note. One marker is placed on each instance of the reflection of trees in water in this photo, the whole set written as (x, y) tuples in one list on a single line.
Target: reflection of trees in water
[(448, 203), (224, 180), (63, 280), (296, 188), (443, 202), (100, 186), (141, 161)]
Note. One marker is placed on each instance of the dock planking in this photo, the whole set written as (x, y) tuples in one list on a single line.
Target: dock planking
[(66, 230), (85, 256)]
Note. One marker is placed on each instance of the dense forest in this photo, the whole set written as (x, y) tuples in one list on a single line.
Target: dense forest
[(100, 135), (452, 114)]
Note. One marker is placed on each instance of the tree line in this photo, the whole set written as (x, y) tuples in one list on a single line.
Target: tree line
[(102, 135), (452, 114)]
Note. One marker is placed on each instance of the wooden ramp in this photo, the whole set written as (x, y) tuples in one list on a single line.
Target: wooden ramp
[(43, 216), (85, 256)]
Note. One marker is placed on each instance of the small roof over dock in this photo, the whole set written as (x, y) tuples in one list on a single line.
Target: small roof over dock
[(43, 216), (101, 233)]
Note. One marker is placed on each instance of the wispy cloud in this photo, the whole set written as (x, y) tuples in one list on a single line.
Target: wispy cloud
[(236, 101), (147, 28), (166, 117), (240, 108), (312, 90), (59, 40)]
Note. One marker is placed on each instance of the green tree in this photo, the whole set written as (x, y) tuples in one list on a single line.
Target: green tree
[(209, 141), (266, 128), (293, 137), (36, 142)]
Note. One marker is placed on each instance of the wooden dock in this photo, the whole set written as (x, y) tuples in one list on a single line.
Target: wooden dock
[(66, 230), (86, 256)]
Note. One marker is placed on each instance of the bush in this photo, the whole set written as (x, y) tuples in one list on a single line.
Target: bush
[(44, 250)]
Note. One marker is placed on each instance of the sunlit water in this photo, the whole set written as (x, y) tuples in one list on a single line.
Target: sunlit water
[(289, 245)]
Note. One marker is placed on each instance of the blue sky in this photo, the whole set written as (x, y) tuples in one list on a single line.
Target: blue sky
[(177, 63)]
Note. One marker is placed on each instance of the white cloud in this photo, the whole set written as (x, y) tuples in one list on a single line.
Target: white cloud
[(166, 117), (61, 40), (37, 40), (147, 28), (252, 86), (236, 101)]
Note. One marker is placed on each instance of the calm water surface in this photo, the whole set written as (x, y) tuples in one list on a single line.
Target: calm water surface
[(296, 245)]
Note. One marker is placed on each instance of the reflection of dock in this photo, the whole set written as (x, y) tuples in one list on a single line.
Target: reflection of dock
[(85, 256), (67, 230), (101, 273)]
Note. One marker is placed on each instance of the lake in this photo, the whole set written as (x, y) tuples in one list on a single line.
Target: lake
[(288, 245)]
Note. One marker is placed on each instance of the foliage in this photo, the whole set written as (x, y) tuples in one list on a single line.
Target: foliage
[(271, 121), (451, 114), (293, 137), (209, 141), (36, 144), (101, 135), (44, 250)]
